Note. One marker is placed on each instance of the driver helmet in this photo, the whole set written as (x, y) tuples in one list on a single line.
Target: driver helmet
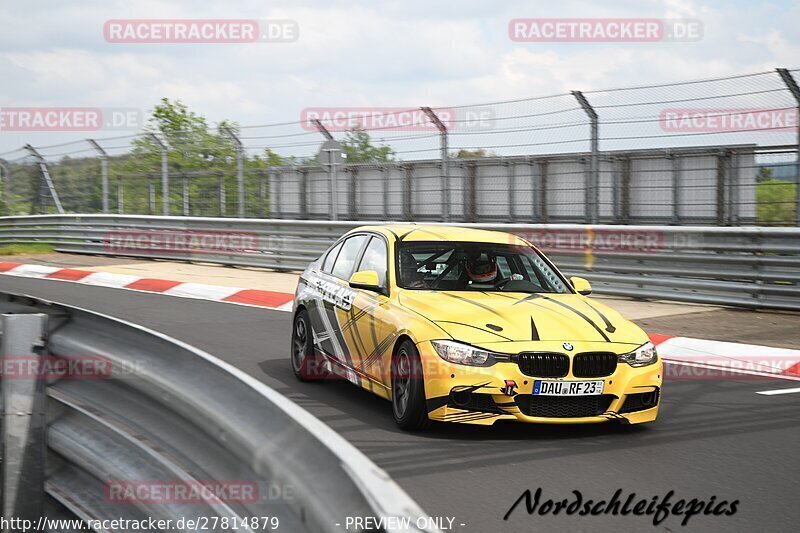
[(481, 269)]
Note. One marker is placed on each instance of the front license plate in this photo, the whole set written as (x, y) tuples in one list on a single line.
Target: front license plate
[(567, 388)]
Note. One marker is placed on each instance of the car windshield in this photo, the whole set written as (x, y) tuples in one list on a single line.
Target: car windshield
[(474, 266)]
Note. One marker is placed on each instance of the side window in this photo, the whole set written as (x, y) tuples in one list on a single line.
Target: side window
[(346, 261), (330, 258), (375, 259)]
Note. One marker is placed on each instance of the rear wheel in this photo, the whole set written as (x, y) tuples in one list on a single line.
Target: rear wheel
[(408, 389), (305, 364)]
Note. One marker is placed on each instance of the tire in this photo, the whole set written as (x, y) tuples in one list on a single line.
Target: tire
[(305, 364), (408, 389)]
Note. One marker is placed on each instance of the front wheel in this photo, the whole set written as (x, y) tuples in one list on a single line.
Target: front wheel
[(305, 364), (408, 389)]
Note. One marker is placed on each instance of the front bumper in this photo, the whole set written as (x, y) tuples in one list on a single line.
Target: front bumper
[(481, 395)]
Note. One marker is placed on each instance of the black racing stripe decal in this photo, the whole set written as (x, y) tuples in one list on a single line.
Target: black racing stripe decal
[(580, 314), (591, 322), (534, 331), (350, 326), (380, 348), (477, 304), (474, 327), (609, 326), (470, 388)]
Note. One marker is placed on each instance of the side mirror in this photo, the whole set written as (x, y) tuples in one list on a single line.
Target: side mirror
[(581, 285), (367, 280)]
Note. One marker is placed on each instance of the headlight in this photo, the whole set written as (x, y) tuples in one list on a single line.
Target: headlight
[(642, 356), (461, 354)]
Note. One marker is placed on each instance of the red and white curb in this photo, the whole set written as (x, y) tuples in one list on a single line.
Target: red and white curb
[(709, 359), (279, 301)]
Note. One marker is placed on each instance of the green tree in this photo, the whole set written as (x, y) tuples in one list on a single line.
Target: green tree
[(764, 174), (472, 154), (358, 148)]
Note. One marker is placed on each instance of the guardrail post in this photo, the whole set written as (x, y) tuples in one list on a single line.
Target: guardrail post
[(443, 161), (593, 184), (103, 172), (47, 180), (24, 418), (164, 172), (791, 83)]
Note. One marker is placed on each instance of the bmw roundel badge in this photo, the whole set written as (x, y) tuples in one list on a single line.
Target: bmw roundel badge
[(567, 346)]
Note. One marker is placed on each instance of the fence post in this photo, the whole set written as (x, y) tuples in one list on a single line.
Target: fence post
[(511, 170), (223, 195), (543, 186), (616, 192), (333, 149), (275, 194), (303, 200), (24, 418), (237, 143), (5, 179), (46, 177), (120, 197), (151, 188), (408, 212), (444, 160), (185, 194), (385, 184), (471, 192), (164, 172), (594, 162), (791, 83), (625, 191), (262, 193), (721, 189), (677, 183), (353, 193), (103, 172)]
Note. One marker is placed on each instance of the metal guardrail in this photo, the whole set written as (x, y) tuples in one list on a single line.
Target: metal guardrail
[(164, 411), (752, 267)]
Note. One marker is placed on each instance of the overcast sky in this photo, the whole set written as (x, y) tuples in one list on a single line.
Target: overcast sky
[(362, 53)]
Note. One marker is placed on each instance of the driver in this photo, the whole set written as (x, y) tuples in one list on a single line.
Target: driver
[(481, 270)]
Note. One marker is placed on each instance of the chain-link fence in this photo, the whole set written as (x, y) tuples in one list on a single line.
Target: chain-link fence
[(716, 151)]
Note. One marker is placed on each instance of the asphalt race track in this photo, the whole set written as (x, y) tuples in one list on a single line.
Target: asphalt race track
[(713, 438)]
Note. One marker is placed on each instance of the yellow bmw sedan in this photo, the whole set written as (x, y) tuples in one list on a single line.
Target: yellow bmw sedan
[(471, 326)]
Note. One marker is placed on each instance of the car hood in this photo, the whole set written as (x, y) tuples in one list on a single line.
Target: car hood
[(491, 317)]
